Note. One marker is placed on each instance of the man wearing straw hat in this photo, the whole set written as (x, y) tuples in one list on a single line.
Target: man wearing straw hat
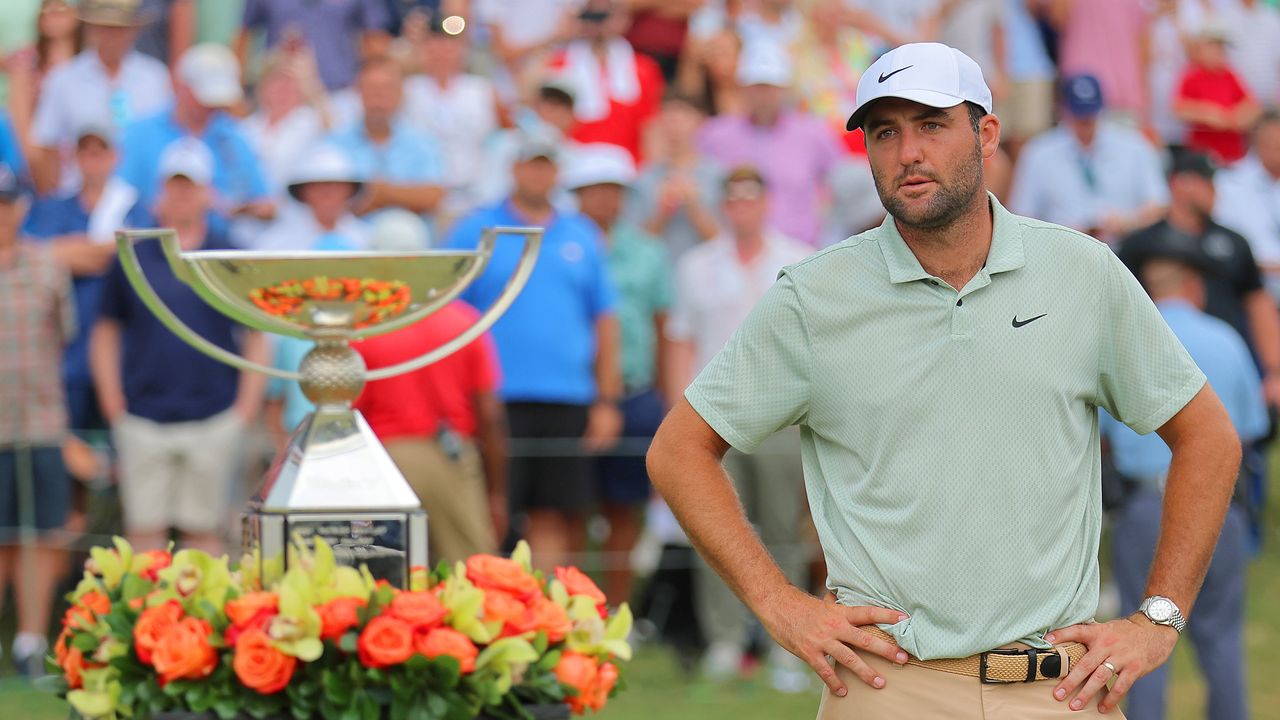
[(110, 82), (946, 370)]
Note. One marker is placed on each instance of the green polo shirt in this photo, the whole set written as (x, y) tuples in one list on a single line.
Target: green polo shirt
[(950, 439), (641, 271)]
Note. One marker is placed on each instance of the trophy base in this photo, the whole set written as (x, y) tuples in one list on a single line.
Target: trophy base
[(389, 543)]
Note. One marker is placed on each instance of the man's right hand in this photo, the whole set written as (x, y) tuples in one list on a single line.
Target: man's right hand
[(813, 630)]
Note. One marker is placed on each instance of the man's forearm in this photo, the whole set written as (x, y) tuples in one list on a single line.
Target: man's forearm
[(491, 437), (252, 386), (104, 367), (1202, 476), (415, 198), (1264, 325), (607, 367), (688, 474)]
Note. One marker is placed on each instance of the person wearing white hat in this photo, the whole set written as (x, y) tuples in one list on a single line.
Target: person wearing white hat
[(794, 150), (946, 370), (324, 187), (206, 84), (177, 417), (600, 175)]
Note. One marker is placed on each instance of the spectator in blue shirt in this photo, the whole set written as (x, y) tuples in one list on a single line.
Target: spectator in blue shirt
[(401, 164), (206, 81), (81, 229), (177, 417), (1218, 629), (11, 149), (558, 345), (338, 32)]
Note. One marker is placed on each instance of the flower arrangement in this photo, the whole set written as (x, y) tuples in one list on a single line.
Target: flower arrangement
[(152, 632), (383, 298)]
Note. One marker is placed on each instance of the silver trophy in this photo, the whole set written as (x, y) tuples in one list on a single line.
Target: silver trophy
[(334, 480)]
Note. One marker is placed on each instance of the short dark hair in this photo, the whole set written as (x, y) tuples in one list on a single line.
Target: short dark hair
[(744, 173), (976, 113), (556, 95), (1269, 116)]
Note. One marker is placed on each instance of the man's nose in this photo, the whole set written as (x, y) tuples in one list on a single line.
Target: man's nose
[(910, 149)]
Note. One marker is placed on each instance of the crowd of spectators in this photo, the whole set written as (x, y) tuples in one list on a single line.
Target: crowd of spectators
[(677, 152)]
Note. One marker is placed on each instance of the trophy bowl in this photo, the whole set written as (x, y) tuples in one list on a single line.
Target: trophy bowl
[(334, 480)]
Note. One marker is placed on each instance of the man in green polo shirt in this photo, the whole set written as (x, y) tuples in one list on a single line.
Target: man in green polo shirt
[(946, 371)]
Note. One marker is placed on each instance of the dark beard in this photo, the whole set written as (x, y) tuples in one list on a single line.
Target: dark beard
[(946, 205)]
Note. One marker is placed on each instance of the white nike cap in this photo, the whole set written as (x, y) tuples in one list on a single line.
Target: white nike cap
[(932, 74)]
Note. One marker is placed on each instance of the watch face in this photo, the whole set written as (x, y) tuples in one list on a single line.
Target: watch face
[(1160, 610)]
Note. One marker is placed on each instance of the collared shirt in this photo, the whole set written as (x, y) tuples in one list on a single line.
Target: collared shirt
[(1248, 201), (547, 338), (165, 380), (332, 28), (37, 318), (794, 155), (1059, 181), (237, 174), (460, 117), (80, 93), (1228, 269), (939, 424), (1225, 360), (407, 156), (641, 271), (715, 290)]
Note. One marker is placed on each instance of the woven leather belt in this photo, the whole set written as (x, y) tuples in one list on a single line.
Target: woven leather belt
[(1003, 666)]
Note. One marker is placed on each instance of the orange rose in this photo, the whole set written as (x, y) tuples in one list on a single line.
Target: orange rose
[(501, 607), (184, 653), (251, 608), (152, 624), (86, 610), (577, 583), (605, 680), (72, 663), (422, 610), (550, 618), (490, 572), (385, 641), (159, 560), (447, 641), (580, 673), (339, 615), (259, 665)]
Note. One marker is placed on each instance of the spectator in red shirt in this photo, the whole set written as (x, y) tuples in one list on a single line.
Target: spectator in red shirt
[(1212, 101), (616, 90), (443, 427)]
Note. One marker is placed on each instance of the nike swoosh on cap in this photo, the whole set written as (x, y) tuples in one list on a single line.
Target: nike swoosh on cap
[(884, 77)]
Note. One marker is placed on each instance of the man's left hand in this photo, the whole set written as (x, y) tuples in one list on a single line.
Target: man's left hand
[(1271, 389), (1134, 647)]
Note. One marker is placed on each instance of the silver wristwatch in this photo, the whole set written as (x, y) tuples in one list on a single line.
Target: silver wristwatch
[(1162, 611)]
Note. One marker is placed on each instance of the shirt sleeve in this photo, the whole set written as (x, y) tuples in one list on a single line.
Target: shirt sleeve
[(663, 287), (113, 301), (1248, 409), (67, 320), (11, 149), (488, 372), (1145, 376), (49, 124), (760, 382), (680, 320), (1249, 277), (1154, 188), (602, 295)]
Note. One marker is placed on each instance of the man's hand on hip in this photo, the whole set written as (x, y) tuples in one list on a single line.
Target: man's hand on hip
[(815, 630), (1133, 647)]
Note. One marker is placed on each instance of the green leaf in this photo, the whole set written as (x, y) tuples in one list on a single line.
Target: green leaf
[(84, 642), (226, 708), (348, 643)]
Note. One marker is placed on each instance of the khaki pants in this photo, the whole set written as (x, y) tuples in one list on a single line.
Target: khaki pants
[(178, 475), (923, 694), (453, 494)]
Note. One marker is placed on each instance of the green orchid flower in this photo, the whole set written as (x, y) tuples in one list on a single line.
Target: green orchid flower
[(593, 636), (506, 661), (197, 580), (296, 630), (99, 698), (465, 603)]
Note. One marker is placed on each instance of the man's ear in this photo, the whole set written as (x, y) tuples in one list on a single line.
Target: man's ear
[(989, 135)]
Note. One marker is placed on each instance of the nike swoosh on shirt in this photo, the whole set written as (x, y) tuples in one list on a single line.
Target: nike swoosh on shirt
[(1019, 323)]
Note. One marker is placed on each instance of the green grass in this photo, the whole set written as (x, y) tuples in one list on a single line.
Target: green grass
[(659, 688)]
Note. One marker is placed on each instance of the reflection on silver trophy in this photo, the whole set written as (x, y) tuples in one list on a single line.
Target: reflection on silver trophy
[(334, 480)]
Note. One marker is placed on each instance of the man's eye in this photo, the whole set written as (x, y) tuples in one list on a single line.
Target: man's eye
[(881, 135), (931, 126)]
